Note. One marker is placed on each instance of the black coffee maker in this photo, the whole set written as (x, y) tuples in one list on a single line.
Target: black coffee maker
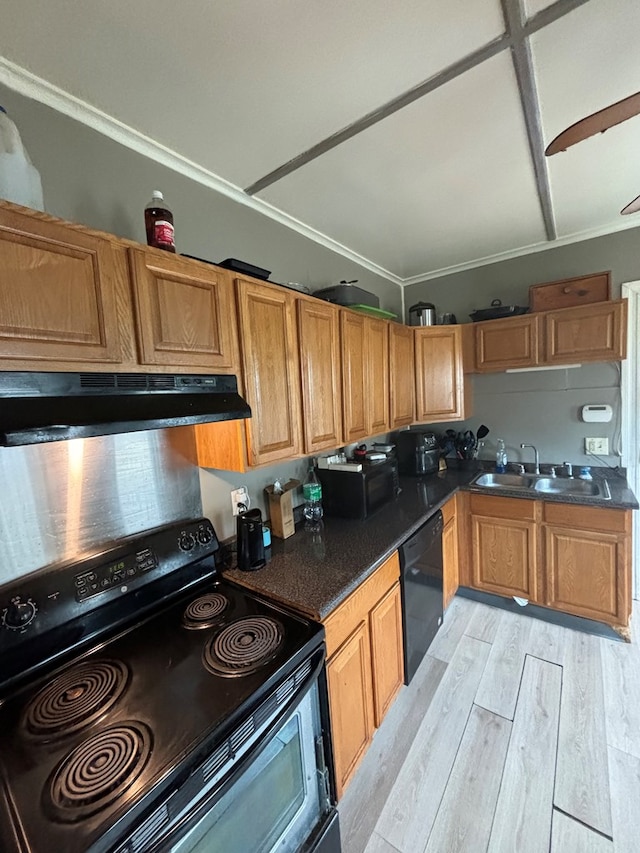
[(250, 541)]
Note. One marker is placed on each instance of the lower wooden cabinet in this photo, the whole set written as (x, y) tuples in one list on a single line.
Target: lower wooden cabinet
[(450, 551), (588, 561), (365, 665), (576, 559)]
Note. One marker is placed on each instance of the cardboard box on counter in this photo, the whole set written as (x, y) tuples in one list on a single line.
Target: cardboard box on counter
[(281, 509)]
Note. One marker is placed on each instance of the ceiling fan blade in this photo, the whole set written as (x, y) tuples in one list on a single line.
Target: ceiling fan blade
[(632, 207), (595, 123)]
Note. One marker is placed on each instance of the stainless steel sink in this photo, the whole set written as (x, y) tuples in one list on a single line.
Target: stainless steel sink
[(578, 488), (544, 485), (503, 481)]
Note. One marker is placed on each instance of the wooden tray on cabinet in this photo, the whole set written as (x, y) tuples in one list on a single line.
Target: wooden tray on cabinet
[(570, 291)]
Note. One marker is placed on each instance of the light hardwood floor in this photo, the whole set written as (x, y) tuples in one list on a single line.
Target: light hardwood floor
[(515, 736)]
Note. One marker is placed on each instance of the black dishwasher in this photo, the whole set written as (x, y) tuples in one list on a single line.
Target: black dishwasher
[(421, 573)]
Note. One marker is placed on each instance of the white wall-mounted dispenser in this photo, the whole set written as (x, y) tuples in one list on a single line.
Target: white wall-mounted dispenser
[(597, 413)]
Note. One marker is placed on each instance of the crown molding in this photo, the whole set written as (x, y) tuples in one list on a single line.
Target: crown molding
[(31, 86)]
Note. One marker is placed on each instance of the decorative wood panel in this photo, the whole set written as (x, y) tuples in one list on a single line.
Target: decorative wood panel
[(319, 341), (509, 343), (439, 374), (59, 293), (350, 704), (271, 371), (586, 333), (377, 397), (387, 655), (355, 368), (401, 376), (185, 313), (450, 555)]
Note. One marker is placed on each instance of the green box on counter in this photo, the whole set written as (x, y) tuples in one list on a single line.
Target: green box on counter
[(281, 509)]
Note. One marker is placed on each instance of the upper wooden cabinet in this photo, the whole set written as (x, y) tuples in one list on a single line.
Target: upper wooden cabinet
[(440, 379), (355, 370), (320, 361), (401, 376), (269, 345), (595, 332), (184, 312), (64, 300), (377, 397), (503, 344)]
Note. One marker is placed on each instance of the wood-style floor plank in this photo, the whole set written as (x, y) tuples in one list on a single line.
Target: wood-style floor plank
[(410, 811), (522, 819), (458, 615), (548, 641), (569, 836), (463, 823), (582, 768), (498, 690), (376, 844), (484, 623), (365, 797), (621, 674), (624, 776)]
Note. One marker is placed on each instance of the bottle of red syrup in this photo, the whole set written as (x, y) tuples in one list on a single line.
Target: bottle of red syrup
[(158, 221)]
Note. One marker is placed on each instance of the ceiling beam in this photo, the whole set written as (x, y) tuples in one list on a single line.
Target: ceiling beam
[(547, 16), (380, 113), (523, 65)]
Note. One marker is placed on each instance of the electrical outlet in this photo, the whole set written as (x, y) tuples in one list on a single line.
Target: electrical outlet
[(597, 446), (239, 496)]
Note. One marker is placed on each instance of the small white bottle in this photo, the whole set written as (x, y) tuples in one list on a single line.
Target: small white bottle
[(501, 456)]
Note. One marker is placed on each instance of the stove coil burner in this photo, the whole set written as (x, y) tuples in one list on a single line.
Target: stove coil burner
[(204, 611), (98, 771), (75, 699), (244, 646)]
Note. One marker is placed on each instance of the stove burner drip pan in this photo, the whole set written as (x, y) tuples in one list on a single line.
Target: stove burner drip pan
[(75, 699), (97, 772), (243, 646)]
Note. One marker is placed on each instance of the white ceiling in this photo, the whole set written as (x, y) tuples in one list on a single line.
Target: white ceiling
[(232, 90)]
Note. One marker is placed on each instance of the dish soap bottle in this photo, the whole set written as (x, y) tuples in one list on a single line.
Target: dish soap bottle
[(312, 492), (501, 456), (158, 221)]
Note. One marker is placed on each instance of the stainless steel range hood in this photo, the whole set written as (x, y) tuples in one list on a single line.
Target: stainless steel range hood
[(42, 407)]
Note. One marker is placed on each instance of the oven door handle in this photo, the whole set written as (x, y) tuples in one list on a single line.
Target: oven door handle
[(176, 832)]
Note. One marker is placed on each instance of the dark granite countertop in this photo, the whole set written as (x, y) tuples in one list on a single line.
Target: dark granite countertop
[(313, 574)]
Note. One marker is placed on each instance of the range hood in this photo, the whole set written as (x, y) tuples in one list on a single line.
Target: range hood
[(42, 407)]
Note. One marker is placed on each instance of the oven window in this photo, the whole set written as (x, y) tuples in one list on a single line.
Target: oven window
[(276, 801)]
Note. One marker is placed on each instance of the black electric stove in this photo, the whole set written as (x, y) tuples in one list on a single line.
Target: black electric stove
[(123, 676)]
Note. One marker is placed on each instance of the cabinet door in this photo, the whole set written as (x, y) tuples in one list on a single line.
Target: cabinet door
[(401, 376), (586, 573), (271, 372), (503, 344), (377, 397), (61, 290), (353, 340), (450, 552), (185, 313), (387, 656), (350, 704), (504, 546), (319, 334), (439, 374), (594, 332)]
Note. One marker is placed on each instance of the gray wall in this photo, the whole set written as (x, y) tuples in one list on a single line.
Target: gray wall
[(90, 179), (540, 408)]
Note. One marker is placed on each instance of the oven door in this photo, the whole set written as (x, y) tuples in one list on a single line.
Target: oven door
[(276, 796)]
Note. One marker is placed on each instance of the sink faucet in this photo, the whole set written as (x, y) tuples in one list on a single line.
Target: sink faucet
[(536, 470)]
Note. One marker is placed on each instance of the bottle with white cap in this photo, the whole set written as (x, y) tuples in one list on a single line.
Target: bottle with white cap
[(158, 220), (19, 179)]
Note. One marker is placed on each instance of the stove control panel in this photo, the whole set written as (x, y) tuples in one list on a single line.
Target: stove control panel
[(119, 573), (19, 613)]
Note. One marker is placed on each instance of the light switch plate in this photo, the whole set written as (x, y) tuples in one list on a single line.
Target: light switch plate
[(597, 446)]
